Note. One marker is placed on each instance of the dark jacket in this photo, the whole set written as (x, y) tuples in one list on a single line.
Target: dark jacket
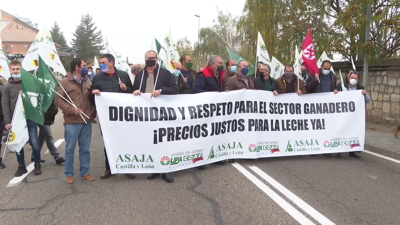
[(282, 85), (80, 96), (259, 84), (1, 110), (237, 83), (106, 83), (9, 99), (226, 77), (182, 86), (50, 115), (206, 81), (166, 81), (314, 86), (193, 74)]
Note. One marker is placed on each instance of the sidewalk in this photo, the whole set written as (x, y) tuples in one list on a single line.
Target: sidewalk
[(380, 139)]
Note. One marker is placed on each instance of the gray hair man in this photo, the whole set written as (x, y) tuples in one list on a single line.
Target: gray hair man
[(210, 78)]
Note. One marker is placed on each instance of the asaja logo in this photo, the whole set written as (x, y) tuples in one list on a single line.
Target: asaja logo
[(33, 96), (134, 158), (12, 137), (302, 145), (252, 147), (263, 46), (222, 150)]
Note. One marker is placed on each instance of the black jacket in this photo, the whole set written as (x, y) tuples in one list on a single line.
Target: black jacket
[(50, 115), (106, 83), (1, 109), (166, 81), (259, 84), (346, 85), (182, 86), (314, 86)]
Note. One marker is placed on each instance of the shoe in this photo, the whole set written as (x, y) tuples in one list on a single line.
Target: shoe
[(396, 131), (338, 155), (152, 176), (60, 161), (2, 166), (106, 175), (223, 162), (231, 161), (201, 167), (38, 169), (70, 180), (87, 177), (130, 176), (353, 154), (41, 160), (167, 177), (328, 155), (21, 171)]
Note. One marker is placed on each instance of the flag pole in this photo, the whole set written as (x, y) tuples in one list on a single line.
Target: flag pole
[(256, 67), (70, 103), (6, 145)]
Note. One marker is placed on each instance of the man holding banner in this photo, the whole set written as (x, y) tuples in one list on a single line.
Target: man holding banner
[(110, 80), (231, 70), (77, 129), (186, 69), (241, 80), (210, 79), (289, 83), (11, 92), (157, 81)]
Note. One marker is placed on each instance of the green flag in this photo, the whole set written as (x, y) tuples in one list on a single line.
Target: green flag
[(161, 56), (239, 58), (50, 81), (34, 97)]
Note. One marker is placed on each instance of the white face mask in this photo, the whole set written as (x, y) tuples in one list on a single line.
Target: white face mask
[(353, 82)]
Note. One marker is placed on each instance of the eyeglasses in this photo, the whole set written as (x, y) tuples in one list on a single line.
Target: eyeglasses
[(152, 58)]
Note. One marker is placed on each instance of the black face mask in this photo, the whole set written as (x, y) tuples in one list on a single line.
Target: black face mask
[(150, 62), (220, 69), (261, 74), (304, 73)]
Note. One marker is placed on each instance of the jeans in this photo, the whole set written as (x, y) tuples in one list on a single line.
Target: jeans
[(46, 135), (33, 141), (2, 126), (81, 133)]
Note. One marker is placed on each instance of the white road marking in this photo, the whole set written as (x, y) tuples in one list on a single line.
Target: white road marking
[(382, 156), (16, 180), (292, 197), (274, 196)]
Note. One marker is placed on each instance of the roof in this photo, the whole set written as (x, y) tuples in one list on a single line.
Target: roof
[(3, 24), (17, 19)]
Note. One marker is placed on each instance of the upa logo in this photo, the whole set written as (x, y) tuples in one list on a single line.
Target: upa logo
[(252, 147), (309, 52), (342, 143)]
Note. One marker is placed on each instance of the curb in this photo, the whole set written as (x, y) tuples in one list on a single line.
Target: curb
[(382, 151)]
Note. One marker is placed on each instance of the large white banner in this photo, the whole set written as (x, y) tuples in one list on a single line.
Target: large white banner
[(170, 133)]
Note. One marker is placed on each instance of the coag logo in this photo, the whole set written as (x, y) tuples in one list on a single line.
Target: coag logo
[(309, 52)]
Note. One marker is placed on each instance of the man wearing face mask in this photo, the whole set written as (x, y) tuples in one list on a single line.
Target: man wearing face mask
[(210, 78), (183, 88), (241, 81), (9, 99), (110, 80), (231, 70), (325, 81), (352, 86), (304, 74), (157, 81), (90, 74), (264, 81), (290, 83), (186, 70), (76, 130)]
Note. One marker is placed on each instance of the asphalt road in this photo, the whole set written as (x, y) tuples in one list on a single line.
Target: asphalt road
[(291, 190)]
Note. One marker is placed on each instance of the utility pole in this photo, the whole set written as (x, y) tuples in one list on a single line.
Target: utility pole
[(367, 39)]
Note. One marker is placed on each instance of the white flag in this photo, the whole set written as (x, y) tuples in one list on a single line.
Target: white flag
[(4, 69), (277, 68), (112, 51), (95, 64), (43, 45), (262, 53), (323, 57), (173, 54), (19, 131), (352, 63), (297, 64)]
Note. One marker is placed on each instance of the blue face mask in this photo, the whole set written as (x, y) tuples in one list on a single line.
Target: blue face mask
[(104, 68), (17, 76), (234, 69), (176, 72), (84, 71), (245, 71), (326, 72)]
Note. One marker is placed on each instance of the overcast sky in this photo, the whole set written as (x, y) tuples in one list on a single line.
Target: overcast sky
[(129, 25)]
